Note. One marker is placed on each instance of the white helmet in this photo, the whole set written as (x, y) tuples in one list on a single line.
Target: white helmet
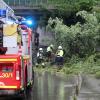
[(60, 47), (40, 49), (51, 45)]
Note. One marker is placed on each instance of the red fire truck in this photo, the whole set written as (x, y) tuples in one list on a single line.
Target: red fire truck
[(15, 53)]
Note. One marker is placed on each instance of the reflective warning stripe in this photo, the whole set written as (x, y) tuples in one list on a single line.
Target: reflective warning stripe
[(8, 59), (14, 87)]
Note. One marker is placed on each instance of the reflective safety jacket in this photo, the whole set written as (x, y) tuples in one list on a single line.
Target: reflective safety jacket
[(40, 55), (49, 49), (60, 53)]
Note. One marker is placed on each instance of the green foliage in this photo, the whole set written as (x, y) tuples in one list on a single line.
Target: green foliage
[(89, 65), (97, 75), (66, 9), (76, 4), (74, 68), (92, 64), (80, 43), (80, 39)]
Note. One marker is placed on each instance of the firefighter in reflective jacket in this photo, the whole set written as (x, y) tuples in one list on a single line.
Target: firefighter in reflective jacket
[(59, 56), (49, 52), (40, 57)]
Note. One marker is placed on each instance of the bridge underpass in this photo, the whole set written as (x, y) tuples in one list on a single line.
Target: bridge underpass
[(33, 4), (27, 3), (30, 8), (35, 8)]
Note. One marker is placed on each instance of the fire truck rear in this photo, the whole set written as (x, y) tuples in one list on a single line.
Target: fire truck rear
[(15, 54)]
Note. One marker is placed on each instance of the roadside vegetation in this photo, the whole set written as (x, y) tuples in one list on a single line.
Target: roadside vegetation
[(81, 44), (88, 65), (81, 39), (67, 9)]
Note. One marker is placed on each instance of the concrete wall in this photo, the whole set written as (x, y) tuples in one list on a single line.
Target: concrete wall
[(45, 38)]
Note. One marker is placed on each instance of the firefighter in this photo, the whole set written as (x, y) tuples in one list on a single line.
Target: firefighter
[(49, 52), (36, 40), (1, 35), (2, 49), (19, 37), (59, 56), (40, 57)]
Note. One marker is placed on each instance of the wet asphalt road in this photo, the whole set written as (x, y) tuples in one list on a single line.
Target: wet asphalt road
[(51, 87), (88, 92), (48, 87)]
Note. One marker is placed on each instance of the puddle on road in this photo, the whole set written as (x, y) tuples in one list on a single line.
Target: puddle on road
[(51, 87), (87, 96), (87, 92)]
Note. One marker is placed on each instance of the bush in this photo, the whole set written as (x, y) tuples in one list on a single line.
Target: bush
[(80, 43), (81, 39), (97, 74)]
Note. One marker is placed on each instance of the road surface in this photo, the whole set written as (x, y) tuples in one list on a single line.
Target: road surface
[(51, 87)]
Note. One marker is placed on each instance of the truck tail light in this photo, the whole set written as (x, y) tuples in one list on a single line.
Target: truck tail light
[(17, 75)]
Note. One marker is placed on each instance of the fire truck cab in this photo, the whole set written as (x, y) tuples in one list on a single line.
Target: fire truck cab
[(15, 53)]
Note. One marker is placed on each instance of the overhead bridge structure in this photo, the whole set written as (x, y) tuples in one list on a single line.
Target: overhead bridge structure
[(30, 7), (35, 8), (32, 4)]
